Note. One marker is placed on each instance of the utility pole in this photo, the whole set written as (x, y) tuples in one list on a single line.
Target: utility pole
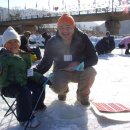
[(49, 5), (79, 6), (63, 5), (8, 9)]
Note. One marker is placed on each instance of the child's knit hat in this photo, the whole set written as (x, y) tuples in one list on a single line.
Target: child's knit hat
[(10, 34), (66, 18)]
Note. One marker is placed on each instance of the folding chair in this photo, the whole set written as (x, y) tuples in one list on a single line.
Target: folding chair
[(12, 107)]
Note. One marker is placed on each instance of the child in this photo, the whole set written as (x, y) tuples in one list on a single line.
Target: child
[(18, 81)]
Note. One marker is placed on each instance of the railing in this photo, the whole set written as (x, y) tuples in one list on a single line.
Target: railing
[(55, 14)]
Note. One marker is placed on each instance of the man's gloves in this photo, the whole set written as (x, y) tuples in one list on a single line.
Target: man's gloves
[(79, 67), (46, 81)]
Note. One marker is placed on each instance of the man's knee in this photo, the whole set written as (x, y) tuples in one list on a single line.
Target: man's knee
[(59, 88), (59, 82), (89, 72)]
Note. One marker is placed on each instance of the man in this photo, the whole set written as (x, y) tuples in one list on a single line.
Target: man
[(73, 56), (25, 45), (110, 43), (37, 39), (106, 44), (25, 41)]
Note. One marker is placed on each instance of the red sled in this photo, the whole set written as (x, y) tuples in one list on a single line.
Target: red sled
[(112, 111)]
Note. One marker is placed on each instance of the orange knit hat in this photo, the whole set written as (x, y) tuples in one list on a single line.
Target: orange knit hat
[(66, 18)]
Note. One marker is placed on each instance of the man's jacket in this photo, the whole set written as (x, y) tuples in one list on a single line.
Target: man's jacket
[(80, 48)]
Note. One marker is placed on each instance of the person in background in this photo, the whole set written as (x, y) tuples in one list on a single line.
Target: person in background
[(106, 44), (73, 56), (36, 39), (25, 41), (26, 47), (125, 43), (17, 79), (46, 36)]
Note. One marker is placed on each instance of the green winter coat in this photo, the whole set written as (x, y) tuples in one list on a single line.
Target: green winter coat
[(14, 69)]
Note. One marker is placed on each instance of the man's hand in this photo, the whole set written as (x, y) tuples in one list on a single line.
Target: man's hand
[(45, 79), (71, 66)]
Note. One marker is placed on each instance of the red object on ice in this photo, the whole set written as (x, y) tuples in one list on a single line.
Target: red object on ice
[(111, 107)]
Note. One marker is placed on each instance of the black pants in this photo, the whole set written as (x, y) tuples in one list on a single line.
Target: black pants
[(123, 46), (26, 97)]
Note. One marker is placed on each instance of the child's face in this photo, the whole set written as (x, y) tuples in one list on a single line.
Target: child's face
[(12, 46)]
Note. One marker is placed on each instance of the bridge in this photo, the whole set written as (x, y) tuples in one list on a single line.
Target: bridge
[(112, 20)]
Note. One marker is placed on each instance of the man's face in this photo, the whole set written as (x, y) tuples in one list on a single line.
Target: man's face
[(12, 46), (66, 31)]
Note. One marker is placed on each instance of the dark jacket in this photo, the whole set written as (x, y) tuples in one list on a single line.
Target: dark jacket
[(46, 36), (81, 50), (109, 43), (24, 43), (105, 45)]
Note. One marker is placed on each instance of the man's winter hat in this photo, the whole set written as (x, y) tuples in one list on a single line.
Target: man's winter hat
[(66, 18), (10, 34)]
